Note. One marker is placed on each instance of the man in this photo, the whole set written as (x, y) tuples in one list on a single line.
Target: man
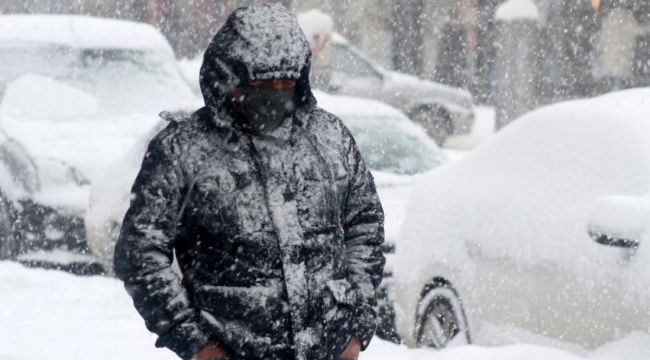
[(267, 205)]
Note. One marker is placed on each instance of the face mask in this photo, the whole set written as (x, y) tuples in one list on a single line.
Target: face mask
[(264, 109)]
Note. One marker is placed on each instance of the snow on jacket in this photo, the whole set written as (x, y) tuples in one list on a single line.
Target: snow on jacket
[(277, 236)]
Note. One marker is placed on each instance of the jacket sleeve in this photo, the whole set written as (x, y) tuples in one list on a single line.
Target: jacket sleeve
[(363, 222), (144, 253)]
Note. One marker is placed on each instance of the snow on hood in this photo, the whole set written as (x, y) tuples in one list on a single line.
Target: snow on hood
[(526, 193), (54, 100), (54, 120), (258, 42), (83, 32)]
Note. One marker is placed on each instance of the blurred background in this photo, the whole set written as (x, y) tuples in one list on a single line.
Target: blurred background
[(562, 49)]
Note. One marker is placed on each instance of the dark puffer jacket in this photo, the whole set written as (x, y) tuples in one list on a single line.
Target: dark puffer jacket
[(278, 236)]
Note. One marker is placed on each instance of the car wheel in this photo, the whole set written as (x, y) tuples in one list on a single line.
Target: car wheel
[(436, 122), (386, 328), (441, 320)]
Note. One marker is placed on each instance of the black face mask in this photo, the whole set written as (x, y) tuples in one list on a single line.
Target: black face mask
[(264, 109)]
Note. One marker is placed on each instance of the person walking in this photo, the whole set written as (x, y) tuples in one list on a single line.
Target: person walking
[(267, 205)]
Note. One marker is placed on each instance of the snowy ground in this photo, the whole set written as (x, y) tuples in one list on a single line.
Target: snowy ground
[(53, 315)]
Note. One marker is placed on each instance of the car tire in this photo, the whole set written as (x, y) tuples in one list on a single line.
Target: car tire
[(386, 328), (436, 122), (441, 320)]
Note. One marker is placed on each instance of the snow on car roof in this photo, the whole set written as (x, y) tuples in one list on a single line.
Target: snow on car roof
[(82, 32), (526, 193)]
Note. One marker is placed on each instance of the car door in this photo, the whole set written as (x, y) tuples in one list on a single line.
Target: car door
[(581, 301)]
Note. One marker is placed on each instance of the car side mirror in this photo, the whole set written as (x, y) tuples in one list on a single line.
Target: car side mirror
[(612, 240), (619, 221)]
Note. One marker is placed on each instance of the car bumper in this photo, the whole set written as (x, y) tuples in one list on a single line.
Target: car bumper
[(463, 121)]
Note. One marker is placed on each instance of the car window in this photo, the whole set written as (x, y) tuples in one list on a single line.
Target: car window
[(388, 145), (340, 58)]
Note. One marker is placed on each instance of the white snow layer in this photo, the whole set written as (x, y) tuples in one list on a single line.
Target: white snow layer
[(55, 120), (517, 10), (82, 32), (526, 193), (522, 199), (625, 217), (56, 100), (314, 22), (61, 316)]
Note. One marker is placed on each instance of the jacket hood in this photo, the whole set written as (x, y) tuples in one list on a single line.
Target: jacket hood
[(258, 42)]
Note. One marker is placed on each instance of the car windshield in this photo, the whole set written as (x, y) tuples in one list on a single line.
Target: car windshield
[(342, 59), (390, 145), (127, 81)]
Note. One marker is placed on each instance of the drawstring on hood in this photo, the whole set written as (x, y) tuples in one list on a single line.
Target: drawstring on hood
[(258, 42)]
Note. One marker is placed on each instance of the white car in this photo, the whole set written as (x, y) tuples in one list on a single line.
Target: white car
[(339, 68), (41, 223), (499, 238), (394, 148), (82, 89)]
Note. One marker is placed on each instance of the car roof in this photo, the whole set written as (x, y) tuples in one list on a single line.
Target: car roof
[(83, 32)]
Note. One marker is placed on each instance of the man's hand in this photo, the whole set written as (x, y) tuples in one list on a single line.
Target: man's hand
[(352, 350), (210, 352)]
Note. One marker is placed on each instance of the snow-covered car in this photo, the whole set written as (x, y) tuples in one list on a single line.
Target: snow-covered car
[(339, 68), (78, 91), (394, 148), (498, 240), (82, 89), (41, 212)]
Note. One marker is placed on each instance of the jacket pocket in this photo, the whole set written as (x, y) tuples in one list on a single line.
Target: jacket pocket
[(255, 303), (342, 291)]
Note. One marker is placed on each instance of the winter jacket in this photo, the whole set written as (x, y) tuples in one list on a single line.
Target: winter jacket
[(277, 236)]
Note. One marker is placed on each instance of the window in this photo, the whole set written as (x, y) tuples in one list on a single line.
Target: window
[(342, 59), (388, 144)]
